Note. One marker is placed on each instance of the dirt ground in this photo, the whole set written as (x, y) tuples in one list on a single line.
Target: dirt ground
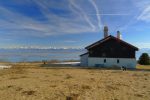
[(32, 82)]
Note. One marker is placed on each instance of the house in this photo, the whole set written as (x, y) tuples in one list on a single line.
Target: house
[(110, 51)]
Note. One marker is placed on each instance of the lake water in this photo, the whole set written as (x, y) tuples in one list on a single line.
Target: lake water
[(19, 55)]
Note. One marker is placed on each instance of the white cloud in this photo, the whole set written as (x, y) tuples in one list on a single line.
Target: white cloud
[(79, 20), (145, 15), (143, 7), (110, 14), (80, 12), (97, 14), (68, 24), (13, 22)]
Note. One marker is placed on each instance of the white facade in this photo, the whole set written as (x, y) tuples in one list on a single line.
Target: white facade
[(109, 62), (84, 60)]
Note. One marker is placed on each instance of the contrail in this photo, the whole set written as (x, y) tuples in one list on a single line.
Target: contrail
[(110, 14), (97, 13), (130, 22), (43, 8), (73, 4), (145, 14)]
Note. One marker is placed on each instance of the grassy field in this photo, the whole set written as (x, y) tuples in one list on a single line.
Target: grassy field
[(29, 81), (145, 67)]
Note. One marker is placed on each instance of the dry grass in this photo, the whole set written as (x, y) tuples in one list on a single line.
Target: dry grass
[(146, 67), (28, 81)]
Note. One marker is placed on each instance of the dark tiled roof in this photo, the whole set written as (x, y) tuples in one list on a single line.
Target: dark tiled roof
[(107, 38)]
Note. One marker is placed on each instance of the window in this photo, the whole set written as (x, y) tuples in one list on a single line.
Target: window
[(118, 61), (104, 60)]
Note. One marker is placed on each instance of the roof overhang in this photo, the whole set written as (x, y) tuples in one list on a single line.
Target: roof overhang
[(84, 54)]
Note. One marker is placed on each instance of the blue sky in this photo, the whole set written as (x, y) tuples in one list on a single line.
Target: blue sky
[(72, 23)]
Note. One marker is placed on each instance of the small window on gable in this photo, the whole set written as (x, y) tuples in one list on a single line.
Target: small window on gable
[(104, 60), (118, 61)]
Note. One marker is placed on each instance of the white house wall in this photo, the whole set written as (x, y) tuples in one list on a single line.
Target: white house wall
[(84, 60), (127, 62)]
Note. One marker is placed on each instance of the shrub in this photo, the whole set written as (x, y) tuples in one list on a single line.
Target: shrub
[(144, 59)]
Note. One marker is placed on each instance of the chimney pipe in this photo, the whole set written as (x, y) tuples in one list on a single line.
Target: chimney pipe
[(105, 31), (118, 35)]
